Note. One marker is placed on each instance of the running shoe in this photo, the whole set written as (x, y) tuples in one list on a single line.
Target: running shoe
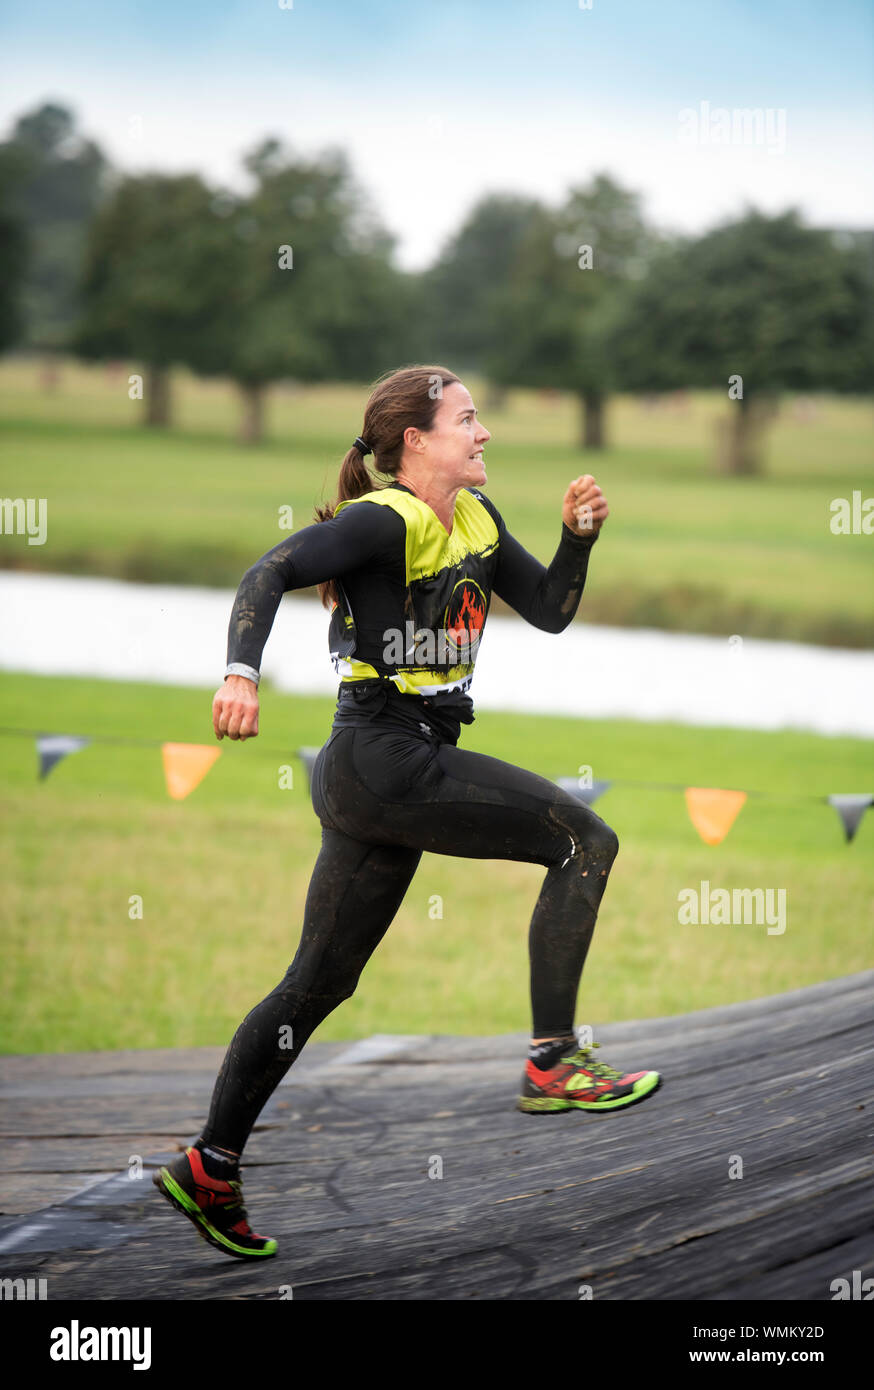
[(575, 1082), (213, 1205)]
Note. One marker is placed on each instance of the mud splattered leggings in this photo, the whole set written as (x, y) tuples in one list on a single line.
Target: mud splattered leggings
[(383, 796)]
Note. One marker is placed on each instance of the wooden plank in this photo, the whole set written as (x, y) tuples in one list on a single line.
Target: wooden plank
[(637, 1203)]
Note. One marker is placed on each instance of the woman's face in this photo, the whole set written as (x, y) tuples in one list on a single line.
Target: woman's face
[(453, 447)]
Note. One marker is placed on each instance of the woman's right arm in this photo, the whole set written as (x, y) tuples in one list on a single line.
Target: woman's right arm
[(360, 535)]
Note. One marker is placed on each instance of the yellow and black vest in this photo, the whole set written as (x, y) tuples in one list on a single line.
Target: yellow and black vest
[(449, 584)]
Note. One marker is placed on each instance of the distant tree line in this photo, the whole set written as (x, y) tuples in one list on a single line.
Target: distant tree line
[(296, 280)]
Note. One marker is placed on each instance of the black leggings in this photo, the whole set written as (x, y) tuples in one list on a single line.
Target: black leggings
[(383, 796)]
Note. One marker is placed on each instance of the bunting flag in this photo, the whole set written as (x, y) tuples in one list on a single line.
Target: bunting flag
[(588, 794), (51, 748), (713, 811), (851, 807), (186, 765)]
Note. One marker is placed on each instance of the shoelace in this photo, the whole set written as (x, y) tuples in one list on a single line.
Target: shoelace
[(236, 1186), (237, 1204), (238, 1207), (581, 1057)]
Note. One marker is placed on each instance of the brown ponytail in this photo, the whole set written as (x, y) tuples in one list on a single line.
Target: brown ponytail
[(399, 400)]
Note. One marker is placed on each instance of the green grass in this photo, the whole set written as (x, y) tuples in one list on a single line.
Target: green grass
[(223, 876), (682, 549)]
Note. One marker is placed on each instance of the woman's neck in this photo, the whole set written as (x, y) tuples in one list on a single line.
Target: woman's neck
[(443, 507)]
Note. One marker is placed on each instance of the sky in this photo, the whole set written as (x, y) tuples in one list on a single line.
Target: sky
[(439, 102)]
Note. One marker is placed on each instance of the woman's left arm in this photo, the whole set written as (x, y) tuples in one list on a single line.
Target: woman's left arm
[(548, 597)]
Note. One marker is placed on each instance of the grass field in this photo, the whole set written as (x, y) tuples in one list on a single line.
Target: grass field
[(223, 876), (682, 549)]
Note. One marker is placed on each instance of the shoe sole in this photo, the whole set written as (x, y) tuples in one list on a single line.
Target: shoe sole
[(179, 1198), (537, 1105)]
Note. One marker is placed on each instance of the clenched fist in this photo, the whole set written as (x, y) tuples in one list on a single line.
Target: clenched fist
[(585, 507), (235, 709)]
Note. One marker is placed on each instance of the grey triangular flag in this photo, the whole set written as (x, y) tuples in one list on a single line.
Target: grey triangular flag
[(851, 807), (587, 794), (308, 757), (53, 747)]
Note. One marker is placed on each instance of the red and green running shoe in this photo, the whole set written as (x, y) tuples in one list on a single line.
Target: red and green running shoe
[(574, 1082), (213, 1205)]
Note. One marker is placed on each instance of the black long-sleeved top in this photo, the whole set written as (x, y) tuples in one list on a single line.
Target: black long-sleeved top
[(364, 546)]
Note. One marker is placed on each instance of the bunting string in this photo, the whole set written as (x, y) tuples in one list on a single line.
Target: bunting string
[(712, 810)]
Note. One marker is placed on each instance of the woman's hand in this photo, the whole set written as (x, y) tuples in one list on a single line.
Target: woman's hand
[(235, 709), (585, 507)]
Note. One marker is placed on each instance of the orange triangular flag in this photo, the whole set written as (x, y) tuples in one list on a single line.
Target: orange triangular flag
[(713, 811), (186, 765)]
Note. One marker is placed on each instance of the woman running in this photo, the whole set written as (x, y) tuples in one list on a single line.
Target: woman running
[(408, 569)]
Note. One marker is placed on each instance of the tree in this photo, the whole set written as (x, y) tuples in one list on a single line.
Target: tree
[(309, 291), (754, 307), (154, 272), (13, 261), (551, 326), (51, 181), (461, 289)]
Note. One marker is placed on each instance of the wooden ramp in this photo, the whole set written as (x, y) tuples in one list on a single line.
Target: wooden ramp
[(345, 1167)]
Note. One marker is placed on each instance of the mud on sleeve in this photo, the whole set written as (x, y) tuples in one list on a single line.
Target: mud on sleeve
[(325, 550)]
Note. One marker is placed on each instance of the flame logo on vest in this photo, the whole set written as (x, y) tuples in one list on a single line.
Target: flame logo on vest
[(464, 618)]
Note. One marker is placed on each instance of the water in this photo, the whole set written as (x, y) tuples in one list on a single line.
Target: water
[(57, 625)]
